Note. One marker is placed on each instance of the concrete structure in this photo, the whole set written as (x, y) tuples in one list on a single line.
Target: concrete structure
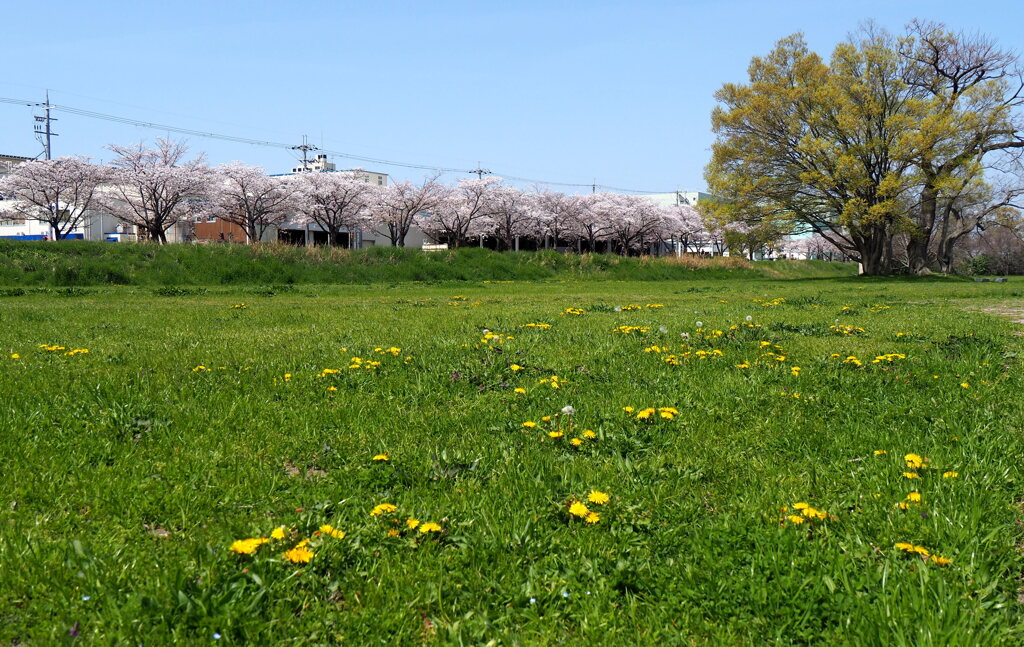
[(691, 198), (318, 164)]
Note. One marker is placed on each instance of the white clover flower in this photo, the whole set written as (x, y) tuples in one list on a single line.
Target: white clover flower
[(663, 329), (568, 410), (618, 308), (700, 324), (684, 335)]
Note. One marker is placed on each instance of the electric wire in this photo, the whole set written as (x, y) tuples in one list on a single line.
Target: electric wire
[(192, 132)]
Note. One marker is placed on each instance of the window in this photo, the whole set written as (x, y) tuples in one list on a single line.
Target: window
[(380, 180)]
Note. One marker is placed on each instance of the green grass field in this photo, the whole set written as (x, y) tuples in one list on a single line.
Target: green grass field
[(130, 470)]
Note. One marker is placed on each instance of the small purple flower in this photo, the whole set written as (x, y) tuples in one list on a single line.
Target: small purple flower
[(73, 631)]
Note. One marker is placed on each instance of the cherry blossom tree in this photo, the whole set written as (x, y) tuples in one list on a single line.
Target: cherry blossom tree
[(462, 211), (685, 226), (629, 219), (56, 192), (512, 214), (155, 188), (555, 215), (336, 201), (398, 205), (819, 247), (248, 197)]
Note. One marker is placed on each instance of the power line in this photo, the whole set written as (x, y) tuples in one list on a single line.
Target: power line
[(92, 114)]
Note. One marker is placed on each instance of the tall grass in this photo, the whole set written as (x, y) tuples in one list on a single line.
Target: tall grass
[(84, 263)]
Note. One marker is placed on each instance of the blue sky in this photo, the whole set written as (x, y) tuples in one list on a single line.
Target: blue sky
[(617, 92)]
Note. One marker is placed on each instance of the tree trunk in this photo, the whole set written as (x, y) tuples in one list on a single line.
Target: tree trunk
[(871, 252), (918, 241)]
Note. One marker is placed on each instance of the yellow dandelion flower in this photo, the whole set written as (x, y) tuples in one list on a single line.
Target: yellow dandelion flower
[(911, 475), (589, 434), (800, 506), (247, 546), (576, 442), (381, 457), (299, 555), (880, 452), (902, 545), (645, 414), (327, 529), (516, 367), (332, 389), (941, 561), (578, 509), (15, 356), (914, 461), (430, 526), (920, 550), (593, 517), (950, 475), (382, 509), (598, 497), (965, 385), (412, 523), (546, 419), (393, 533), (529, 424), (795, 518), (519, 390), (914, 496), (555, 434), (628, 409), (279, 532)]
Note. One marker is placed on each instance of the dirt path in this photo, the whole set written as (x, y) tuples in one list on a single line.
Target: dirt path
[(1013, 310)]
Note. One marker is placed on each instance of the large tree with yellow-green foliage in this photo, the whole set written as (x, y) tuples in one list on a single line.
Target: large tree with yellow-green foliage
[(966, 146), (852, 148)]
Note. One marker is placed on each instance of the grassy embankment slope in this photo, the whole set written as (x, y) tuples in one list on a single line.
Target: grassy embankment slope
[(75, 263)]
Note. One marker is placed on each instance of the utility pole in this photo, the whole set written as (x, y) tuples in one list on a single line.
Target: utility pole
[(480, 172), (593, 187), (42, 126), (305, 147)]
